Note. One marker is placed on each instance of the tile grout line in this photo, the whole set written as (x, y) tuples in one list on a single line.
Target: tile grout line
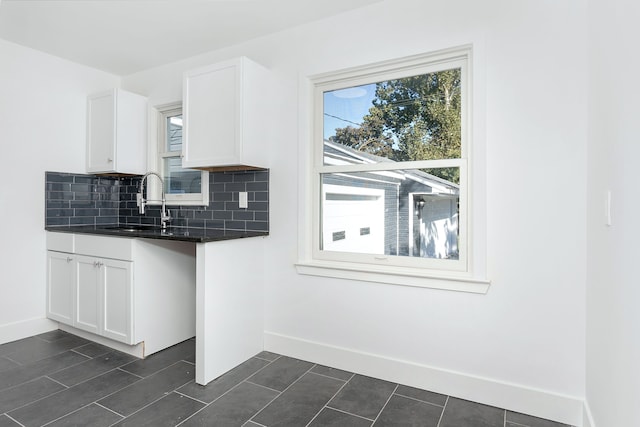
[(67, 414), (81, 382), (8, 357), (267, 360), (190, 397), (442, 413), (268, 403), (386, 403), (419, 400), (37, 400), (110, 394), (57, 382), (227, 392), (282, 392), (247, 423), (89, 379), (332, 397), (70, 366), (164, 394), (330, 377), (261, 386), (120, 368), (14, 420), (109, 409), (348, 413), (73, 350)]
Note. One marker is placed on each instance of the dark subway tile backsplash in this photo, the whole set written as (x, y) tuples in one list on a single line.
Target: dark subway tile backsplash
[(78, 199)]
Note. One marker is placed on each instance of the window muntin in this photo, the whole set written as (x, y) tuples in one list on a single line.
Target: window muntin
[(401, 131)]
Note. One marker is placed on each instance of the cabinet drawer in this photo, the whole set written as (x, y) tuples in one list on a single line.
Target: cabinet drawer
[(104, 247), (61, 242)]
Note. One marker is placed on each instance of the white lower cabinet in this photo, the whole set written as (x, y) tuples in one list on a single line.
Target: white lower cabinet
[(92, 294), (103, 297), (60, 286), (90, 290), (87, 293), (116, 299)]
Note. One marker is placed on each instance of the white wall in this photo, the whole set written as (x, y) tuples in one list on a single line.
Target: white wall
[(522, 344), (613, 294), (42, 117)]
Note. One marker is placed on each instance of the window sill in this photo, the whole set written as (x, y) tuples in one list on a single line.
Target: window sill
[(393, 276)]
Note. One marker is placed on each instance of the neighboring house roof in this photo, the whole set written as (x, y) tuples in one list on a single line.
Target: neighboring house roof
[(338, 154)]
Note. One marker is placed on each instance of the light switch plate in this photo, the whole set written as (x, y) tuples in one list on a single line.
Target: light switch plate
[(607, 209)]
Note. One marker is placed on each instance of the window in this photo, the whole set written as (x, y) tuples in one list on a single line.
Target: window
[(390, 170), (182, 186)]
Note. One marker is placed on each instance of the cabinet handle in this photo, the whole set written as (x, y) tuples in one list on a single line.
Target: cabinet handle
[(97, 264), (69, 259), (109, 160)]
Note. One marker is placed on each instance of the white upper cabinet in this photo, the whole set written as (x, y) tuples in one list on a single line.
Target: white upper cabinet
[(116, 132), (224, 116)]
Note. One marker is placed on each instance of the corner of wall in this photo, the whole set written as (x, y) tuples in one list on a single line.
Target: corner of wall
[(587, 417)]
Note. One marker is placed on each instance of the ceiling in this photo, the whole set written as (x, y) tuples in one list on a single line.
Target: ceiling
[(126, 36)]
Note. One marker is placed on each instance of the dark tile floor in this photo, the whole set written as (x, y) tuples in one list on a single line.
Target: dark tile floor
[(57, 379)]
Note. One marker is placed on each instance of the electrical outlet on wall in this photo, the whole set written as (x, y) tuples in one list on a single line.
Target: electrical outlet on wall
[(243, 200)]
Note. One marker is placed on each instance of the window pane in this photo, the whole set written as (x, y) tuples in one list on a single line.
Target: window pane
[(413, 118), (397, 212), (174, 133), (178, 180)]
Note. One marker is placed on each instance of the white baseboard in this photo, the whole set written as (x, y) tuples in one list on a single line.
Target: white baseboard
[(26, 328), (587, 418), (514, 397)]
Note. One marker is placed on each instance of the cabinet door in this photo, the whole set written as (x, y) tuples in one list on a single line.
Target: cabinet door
[(88, 283), (117, 301), (211, 114), (60, 286), (101, 132)]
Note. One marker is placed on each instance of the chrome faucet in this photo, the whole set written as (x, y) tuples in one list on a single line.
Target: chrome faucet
[(164, 215)]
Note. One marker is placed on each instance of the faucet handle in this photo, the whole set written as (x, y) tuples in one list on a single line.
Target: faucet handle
[(140, 202)]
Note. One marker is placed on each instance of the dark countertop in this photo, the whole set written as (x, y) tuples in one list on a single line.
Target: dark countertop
[(184, 234)]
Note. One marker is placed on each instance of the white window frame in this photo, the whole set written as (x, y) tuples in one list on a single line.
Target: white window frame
[(157, 153), (465, 274)]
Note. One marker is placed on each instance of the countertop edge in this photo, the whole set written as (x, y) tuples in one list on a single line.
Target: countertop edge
[(183, 234)]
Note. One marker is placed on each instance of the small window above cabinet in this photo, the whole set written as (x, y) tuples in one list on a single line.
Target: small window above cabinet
[(116, 132), (225, 116)]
